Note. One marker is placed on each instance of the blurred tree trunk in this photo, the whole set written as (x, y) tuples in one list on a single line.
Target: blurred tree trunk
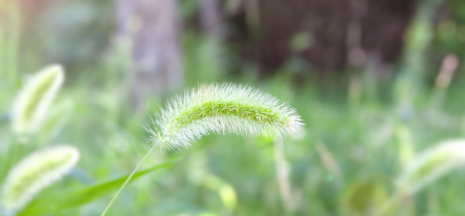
[(211, 20), (330, 34), (152, 28)]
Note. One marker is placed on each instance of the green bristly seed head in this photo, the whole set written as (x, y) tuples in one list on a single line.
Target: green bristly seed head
[(41, 89), (35, 98), (36, 172), (222, 108), (228, 108)]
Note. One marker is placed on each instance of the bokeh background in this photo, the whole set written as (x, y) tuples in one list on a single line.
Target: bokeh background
[(375, 81)]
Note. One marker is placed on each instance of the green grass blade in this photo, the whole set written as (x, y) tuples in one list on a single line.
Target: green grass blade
[(73, 198)]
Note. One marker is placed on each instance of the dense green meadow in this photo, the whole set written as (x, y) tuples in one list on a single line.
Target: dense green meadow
[(360, 133)]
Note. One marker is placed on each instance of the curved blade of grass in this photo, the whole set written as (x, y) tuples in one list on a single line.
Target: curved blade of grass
[(68, 199)]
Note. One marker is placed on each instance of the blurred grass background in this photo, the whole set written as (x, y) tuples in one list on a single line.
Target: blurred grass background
[(374, 81)]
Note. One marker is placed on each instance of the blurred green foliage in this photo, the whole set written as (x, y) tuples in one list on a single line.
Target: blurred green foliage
[(228, 174)]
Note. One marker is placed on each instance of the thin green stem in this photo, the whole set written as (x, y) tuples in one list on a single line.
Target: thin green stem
[(281, 174), (128, 179)]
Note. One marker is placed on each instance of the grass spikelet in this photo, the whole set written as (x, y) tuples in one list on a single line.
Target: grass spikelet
[(222, 108), (36, 172), (431, 165), (34, 99), (218, 108)]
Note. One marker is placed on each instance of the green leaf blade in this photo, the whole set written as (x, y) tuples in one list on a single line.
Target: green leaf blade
[(72, 198)]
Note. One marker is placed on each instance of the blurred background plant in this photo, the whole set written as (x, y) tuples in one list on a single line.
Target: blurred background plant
[(376, 82)]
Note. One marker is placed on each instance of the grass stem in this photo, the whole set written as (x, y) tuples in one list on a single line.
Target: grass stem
[(282, 175), (128, 179)]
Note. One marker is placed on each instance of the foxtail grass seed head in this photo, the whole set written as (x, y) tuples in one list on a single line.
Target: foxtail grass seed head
[(34, 99), (222, 108), (36, 172), (431, 165)]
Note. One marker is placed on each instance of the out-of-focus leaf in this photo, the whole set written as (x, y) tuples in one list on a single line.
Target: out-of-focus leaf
[(228, 196), (67, 199), (366, 196), (431, 165)]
